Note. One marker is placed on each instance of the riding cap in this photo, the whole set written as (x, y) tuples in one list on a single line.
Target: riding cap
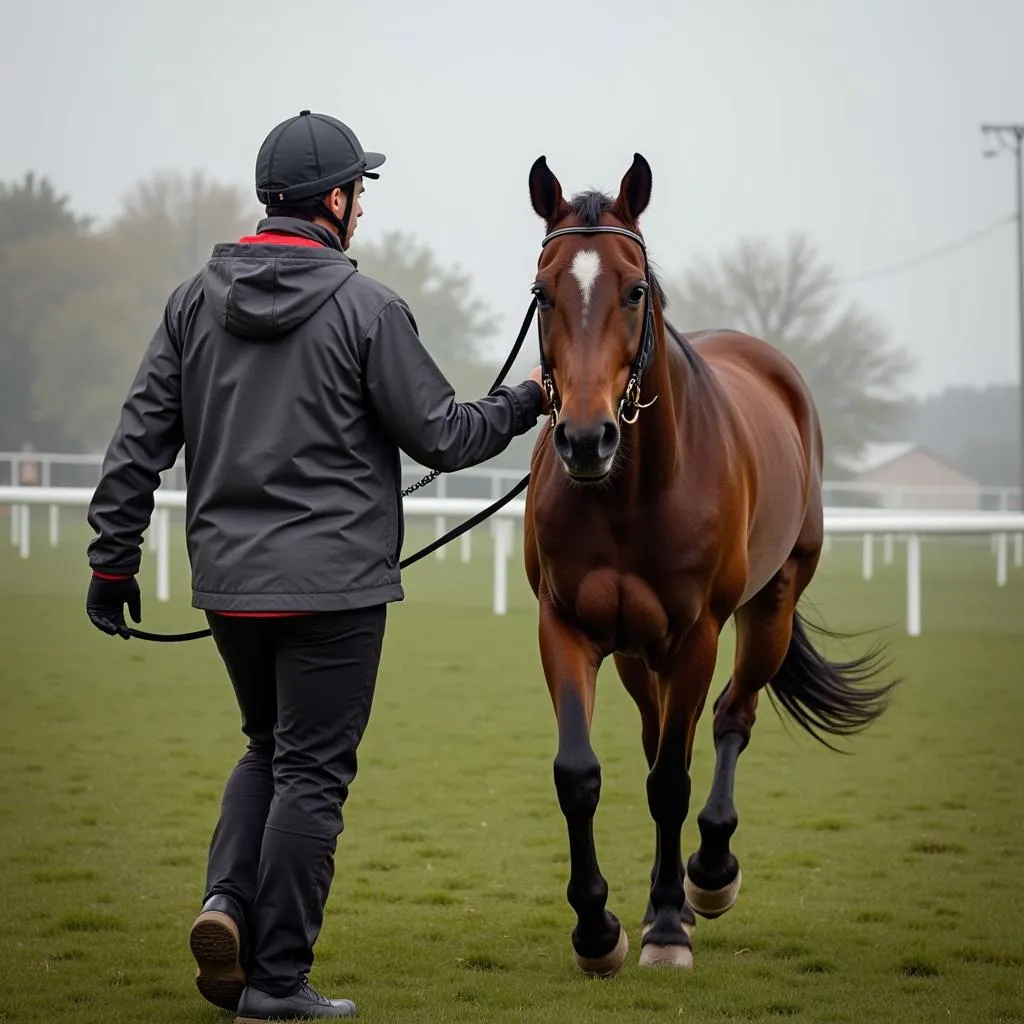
[(307, 156)]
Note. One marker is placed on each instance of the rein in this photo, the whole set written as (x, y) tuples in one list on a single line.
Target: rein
[(629, 409)]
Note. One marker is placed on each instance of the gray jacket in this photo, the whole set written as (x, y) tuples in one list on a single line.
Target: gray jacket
[(292, 381)]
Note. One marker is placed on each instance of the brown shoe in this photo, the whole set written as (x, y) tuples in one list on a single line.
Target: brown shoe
[(216, 944)]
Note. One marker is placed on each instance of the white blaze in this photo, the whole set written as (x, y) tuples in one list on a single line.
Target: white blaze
[(586, 265)]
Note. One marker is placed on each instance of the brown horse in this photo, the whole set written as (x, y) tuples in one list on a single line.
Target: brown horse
[(677, 484)]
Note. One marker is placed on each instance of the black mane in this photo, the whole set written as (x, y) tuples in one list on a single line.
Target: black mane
[(590, 207)]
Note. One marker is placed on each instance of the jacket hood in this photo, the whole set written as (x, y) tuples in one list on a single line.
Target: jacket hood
[(269, 284)]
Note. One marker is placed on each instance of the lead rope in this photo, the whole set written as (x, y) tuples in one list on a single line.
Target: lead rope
[(481, 516)]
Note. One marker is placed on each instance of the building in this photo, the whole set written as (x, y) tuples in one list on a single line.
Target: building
[(907, 475)]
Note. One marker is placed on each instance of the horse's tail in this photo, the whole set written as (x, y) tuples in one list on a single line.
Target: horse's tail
[(834, 697)]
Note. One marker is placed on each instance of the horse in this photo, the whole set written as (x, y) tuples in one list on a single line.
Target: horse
[(676, 484)]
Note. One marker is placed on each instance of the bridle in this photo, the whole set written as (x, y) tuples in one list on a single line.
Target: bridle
[(629, 404)]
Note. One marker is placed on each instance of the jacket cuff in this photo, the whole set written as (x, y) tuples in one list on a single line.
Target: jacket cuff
[(527, 402), (112, 575)]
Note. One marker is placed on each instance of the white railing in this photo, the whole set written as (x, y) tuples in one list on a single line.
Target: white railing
[(37, 469), (909, 525)]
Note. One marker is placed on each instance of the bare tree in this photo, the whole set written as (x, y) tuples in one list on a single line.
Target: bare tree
[(789, 297)]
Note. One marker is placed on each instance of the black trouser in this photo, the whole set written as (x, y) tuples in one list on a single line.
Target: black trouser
[(304, 686)]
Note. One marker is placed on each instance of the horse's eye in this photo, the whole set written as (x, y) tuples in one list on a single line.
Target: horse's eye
[(542, 297), (636, 295)]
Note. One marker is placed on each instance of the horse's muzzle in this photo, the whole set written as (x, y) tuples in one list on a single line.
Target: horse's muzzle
[(587, 452)]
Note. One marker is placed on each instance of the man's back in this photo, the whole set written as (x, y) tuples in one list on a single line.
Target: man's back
[(290, 474), (299, 380)]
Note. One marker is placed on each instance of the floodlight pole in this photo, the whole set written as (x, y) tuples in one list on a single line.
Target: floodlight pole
[(1011, 137)]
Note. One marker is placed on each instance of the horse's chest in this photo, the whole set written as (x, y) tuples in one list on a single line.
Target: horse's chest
[(621, 611)]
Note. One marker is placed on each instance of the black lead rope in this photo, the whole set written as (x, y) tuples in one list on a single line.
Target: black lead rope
[(481, 516)]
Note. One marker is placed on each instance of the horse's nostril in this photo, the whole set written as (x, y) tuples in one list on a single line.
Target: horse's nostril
[(562, 445), (609, 440)]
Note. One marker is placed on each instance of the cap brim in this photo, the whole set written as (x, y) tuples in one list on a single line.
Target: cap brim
[(373, 160)]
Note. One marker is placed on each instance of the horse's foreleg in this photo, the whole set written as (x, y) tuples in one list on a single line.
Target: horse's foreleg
[(763, 630), (642, 685), (570, 665), (683, 688)]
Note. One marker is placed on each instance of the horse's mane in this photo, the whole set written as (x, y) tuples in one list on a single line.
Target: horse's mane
[(589, 207)]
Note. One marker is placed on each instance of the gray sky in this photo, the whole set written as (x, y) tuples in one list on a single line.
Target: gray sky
[(856, 121)]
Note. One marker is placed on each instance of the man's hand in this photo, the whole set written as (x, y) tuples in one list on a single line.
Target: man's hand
[(537, 376), (106, 600)]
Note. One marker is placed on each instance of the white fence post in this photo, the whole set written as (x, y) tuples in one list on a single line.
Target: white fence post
[(24, 522), (867, 556), (466, 549), (163, 554), (502, 548), (15, 509), (913, 585), (1018, 550), (1001, 551), (47, 479), (495, 495)]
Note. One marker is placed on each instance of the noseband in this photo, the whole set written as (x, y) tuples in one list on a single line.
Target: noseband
[(629, 404)]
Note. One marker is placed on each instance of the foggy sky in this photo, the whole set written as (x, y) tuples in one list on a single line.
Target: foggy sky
[(856, 121)]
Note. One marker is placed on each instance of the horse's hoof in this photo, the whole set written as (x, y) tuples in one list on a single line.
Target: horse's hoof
[(606, 966), (712, 903), (666, 956)]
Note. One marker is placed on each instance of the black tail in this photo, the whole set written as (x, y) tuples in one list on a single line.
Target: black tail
[(834, 697)]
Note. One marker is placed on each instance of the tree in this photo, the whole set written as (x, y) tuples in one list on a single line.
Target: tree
[(31, 207), (168, 225), (789, 298), (451, 321), (87, 310), (86, 349), (30, 211)]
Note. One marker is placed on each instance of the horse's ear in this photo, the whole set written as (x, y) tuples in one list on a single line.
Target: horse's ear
[(546, 193), (635, 190)]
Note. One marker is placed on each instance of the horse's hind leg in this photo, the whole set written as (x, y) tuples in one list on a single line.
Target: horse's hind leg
[(642, 685), (570, 666), (763, 629)]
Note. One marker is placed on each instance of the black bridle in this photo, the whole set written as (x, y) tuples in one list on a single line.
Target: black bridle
[(629, 404), (629, 409)]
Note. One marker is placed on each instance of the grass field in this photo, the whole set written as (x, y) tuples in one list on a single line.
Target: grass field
[(882, 886)]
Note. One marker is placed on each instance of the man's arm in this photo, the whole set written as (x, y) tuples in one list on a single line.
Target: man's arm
[(417, 404), (146, 442)]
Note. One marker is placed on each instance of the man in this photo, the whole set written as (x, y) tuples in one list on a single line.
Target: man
[(292, 381)]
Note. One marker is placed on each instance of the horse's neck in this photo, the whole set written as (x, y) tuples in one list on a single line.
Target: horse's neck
[(659, 431)]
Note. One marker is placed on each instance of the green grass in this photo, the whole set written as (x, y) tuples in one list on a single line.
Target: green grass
[(881, 886)]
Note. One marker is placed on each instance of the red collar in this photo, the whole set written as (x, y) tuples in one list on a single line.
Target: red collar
[(276, 239)]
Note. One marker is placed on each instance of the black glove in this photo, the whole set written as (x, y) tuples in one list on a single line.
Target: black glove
[(105, 604)]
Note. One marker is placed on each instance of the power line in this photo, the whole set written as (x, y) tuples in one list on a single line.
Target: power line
[(931, 254)]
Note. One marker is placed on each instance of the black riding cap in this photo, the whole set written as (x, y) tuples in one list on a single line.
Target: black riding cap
[(307, 156)]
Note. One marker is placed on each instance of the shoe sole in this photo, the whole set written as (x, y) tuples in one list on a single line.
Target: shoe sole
[(216, 946), (241, 1019), (281, 1020)]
